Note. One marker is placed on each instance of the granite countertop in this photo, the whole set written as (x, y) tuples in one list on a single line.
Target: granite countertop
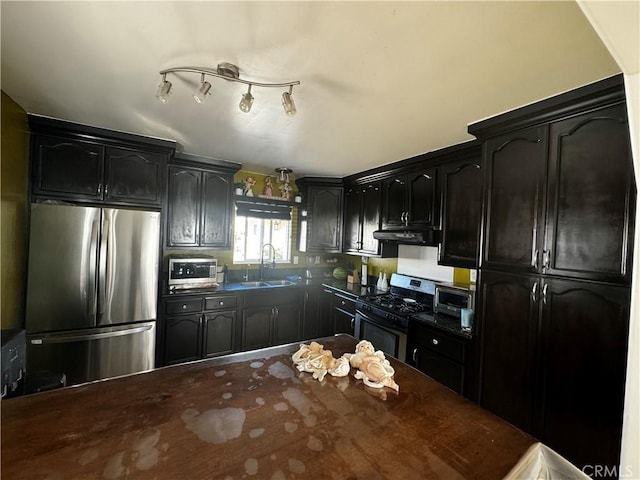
[(253, 415)]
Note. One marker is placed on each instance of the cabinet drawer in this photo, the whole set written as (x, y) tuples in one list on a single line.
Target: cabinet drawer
[(441, 343), (345, 304), (220, 303), (186, 305)]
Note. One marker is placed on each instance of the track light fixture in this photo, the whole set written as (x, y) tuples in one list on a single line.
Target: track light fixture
[(200, 95), (230, 72), (283, 174), (164, 89)]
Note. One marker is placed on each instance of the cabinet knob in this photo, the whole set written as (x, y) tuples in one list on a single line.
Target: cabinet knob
[(221, 303), (435, 341), (343, 302), (184, 306), (414, 355)]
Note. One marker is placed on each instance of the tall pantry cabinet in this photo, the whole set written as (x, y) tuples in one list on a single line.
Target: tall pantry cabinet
[(554, 289)]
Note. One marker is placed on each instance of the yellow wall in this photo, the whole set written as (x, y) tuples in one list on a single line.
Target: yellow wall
[(14, 158)]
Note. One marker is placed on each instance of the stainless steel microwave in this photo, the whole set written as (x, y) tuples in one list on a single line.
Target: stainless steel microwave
[(451, 299), (192, 272)]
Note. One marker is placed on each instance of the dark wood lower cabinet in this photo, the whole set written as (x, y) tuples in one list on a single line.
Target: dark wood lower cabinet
[(583, 350), (182, 339), (343, 314), (316, 317), (271, 317), (439, 355), (198, 327), (554, 361), (219, 332)]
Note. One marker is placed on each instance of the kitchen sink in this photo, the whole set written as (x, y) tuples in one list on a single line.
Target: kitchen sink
[(279, 283), (254, 284)]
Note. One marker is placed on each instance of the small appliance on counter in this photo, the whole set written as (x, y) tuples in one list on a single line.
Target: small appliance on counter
[(189, 272), (453, 298)]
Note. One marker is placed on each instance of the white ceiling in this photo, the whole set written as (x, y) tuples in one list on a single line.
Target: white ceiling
[(380, 81)]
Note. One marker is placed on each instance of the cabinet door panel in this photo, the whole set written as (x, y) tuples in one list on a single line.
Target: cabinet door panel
[(585, 335), (515, 185), (343, 322), (371, 200), (422, 198), (444, 370), (461, 212), (184, 207), (133, 176), (182, 339), (216, 210), (311, 316), (256, 327), (394, 201), (590, 196), (219, 332), (67, 168), (286, 324), (325, 223), (352, 230), (508, 335)]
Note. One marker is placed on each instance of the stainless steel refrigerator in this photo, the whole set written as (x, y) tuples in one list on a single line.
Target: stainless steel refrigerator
[(91, 291)]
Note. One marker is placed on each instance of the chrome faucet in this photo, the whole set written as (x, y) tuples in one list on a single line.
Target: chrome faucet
[(245, 276), (273, 259)]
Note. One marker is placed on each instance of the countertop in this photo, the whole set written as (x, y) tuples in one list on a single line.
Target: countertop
[(353, 289), (253, 415)]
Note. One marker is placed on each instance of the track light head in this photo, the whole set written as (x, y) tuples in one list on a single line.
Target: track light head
[(287, 102), (246, 102), (164, 90), (200, 95)]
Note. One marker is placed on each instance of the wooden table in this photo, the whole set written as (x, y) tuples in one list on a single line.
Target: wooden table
[(253, 415)]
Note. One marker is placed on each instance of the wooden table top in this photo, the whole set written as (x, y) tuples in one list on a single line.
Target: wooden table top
[(253, 415)]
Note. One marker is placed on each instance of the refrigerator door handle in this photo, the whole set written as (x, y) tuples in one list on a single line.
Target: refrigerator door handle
[(89, 335), (92, 280), (102, 273)]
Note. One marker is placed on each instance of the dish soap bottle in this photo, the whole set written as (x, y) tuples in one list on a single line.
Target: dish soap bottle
[(385, 284), (379, 284)]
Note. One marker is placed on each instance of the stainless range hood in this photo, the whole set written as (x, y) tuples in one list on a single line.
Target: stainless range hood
[(409, 236)]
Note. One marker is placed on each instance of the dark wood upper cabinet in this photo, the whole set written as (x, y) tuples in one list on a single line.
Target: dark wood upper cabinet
[(183, 212), (515, 186), (556, 219), (200, 209), (362, 218), (461, 202), (591, 196), (64, 167), (320, 218), (134, 175), (87, 164), (216, 209), (410, 199)]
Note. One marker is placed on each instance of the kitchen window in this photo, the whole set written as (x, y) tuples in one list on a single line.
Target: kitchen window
[(251, 233)]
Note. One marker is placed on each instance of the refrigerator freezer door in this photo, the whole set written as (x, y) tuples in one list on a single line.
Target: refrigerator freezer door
[(128, 274), (61, 287), (93, 354)]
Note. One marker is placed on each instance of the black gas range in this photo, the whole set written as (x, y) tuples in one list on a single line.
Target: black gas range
[(384, 318)]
